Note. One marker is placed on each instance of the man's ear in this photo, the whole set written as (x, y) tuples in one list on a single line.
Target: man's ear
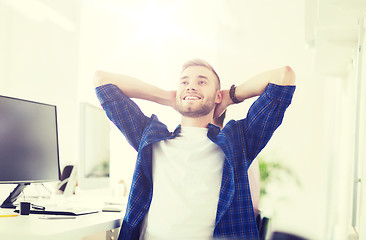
[(218, 96)]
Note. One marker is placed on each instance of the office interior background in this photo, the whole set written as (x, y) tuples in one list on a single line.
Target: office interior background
[(50, 50)]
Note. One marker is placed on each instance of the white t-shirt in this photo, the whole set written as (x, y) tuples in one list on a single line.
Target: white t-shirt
[(187, 173)]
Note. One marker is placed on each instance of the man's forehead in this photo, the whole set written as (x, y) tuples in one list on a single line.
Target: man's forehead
[(196, 76), (197, 71)]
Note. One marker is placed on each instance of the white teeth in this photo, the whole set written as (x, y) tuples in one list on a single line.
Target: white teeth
[(191, 98)]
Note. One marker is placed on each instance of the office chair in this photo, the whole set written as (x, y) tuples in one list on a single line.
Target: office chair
[(68, 181), (66, 173), (262, 224), (285, 236)]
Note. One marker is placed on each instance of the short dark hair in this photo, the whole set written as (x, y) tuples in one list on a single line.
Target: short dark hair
[(203, 63)]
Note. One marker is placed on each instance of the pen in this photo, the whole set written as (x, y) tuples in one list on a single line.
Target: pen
[(13, 215), (38, 207), (57, 217)]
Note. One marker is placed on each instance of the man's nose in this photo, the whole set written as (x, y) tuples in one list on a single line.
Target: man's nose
[(191, 86)]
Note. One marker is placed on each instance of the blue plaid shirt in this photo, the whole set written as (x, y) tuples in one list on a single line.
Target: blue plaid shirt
[(241, 141)]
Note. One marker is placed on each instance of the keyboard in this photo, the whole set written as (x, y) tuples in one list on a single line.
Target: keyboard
[(66, 211)]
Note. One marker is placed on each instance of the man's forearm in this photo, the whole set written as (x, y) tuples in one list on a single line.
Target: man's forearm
[(135, 88), (257, 84)]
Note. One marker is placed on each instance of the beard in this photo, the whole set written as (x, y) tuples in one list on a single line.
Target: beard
[(196, 111)]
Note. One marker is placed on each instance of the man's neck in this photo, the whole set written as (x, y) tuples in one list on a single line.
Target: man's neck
[(196, 122)]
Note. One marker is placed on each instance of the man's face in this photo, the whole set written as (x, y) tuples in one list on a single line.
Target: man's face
[(197, 93)]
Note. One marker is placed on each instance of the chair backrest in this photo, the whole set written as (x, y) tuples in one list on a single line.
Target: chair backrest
[(66, 172), (264, 228), (286, 236), (68, 181), (262, 224)]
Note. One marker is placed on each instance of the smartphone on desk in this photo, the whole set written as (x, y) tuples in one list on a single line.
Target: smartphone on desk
[(111, 209)]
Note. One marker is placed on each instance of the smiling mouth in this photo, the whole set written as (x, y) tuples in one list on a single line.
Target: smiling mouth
[(191, 98)]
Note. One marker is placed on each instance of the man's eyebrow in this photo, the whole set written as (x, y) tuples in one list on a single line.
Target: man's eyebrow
[(199, 76), (202, 76)]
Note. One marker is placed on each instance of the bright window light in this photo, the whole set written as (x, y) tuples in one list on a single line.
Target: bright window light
[(153, 22)]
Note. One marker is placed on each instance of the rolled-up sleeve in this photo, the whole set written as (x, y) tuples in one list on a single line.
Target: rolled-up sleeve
[(123, 112), (264, 117)]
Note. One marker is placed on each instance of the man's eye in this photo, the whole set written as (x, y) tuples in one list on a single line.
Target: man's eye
[(183, 82), (202, 82)]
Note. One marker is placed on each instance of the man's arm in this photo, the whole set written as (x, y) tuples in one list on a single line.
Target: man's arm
[(135, 88), (256, 85)]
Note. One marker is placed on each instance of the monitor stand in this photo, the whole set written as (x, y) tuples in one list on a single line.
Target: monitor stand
[(8, 203)]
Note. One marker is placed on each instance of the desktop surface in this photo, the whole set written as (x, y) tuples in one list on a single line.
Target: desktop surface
[(35, 226), (42, 227)]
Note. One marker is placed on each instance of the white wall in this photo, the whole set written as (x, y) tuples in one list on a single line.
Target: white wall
[(361, 208), (362, 156), (340, 149), (336, 53)]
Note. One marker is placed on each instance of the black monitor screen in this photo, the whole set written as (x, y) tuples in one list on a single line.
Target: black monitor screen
[(28, 142)]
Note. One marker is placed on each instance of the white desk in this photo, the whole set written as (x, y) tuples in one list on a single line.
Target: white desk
[(31, 227)]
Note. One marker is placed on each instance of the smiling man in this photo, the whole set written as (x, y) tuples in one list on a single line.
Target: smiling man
[(193, 183), (198, 93)]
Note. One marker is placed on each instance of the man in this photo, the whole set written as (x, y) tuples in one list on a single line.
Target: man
[(193, 183)]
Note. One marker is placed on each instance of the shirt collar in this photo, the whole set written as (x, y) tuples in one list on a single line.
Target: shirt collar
[(213, 130)]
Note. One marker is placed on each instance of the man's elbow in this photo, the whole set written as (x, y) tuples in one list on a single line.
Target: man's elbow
[(98, 78), (288, 76)]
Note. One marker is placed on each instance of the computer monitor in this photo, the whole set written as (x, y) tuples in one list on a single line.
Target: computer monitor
[(94, 165), (29, 150)]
